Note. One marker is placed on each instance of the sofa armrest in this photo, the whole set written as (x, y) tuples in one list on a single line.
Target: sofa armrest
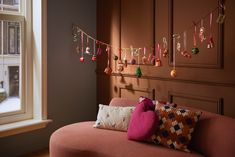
[(214, 135)]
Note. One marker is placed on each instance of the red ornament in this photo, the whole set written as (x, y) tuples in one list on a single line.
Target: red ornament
[(82, 59), (93, 58)]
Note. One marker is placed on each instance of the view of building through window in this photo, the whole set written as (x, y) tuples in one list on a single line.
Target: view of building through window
[(10, 47), (9, 5)]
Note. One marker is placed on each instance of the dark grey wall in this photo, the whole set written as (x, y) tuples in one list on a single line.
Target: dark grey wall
[(71, 84)]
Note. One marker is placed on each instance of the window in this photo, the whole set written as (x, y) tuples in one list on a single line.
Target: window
[(22, 64), (14, 105)]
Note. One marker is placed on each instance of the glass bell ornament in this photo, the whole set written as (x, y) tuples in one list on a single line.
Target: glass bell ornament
[(173, 73)]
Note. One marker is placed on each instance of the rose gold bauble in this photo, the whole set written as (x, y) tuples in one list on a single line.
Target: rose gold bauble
[(173, 73)]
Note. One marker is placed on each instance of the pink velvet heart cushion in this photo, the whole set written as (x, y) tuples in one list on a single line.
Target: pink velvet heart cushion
[(143, 122)]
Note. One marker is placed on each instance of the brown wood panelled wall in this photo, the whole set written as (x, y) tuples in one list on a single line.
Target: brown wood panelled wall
[(206, 81)]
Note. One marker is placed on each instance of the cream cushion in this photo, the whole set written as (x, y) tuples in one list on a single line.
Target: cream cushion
[(113, 117)]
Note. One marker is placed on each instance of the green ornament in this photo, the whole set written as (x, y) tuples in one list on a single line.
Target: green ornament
[(115, 57), (195, 50), (138, 72)]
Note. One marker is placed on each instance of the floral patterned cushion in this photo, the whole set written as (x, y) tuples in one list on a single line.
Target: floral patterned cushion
[(113, 117), (176, 126)]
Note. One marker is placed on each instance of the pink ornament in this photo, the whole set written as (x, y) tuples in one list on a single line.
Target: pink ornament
[(93, 58), (210, 43), (82, 59)]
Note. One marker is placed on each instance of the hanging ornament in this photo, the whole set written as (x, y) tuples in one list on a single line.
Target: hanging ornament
[(165, 49), (138, 72), (144, 58), (82, 58), (115, 57), (185, 52), (124, 59), (151, 57), (99, 50), (173, 71), (75, 34), (108, 69), (210, 43), (78, 49), (158, 53), (87, 46), (221, 16), (202, 30), (93, 58), (178, 45), (120, 68), (195, 49), (133, 61), (120, 56)]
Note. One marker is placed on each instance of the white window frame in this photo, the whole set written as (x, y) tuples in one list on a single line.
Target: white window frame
[(36, 42)]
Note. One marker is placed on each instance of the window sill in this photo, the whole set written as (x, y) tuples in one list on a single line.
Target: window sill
[(22, 126)]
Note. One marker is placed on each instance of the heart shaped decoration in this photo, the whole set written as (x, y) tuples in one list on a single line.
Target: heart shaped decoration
[(144, 121)]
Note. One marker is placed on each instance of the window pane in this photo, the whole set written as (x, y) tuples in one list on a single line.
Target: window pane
[(10, 5), (10, 66)]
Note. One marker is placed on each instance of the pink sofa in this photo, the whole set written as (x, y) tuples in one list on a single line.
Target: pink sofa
[(214, 136)]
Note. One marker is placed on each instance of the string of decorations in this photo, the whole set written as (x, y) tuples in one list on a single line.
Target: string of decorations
[(84, 41)]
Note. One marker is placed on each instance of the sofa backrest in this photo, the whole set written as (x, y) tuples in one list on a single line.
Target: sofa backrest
[(214, 135), (123, 102)]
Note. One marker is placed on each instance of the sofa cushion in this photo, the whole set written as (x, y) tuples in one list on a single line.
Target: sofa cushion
[(176, 127), (81, 139), (113, 117), (143, 121)]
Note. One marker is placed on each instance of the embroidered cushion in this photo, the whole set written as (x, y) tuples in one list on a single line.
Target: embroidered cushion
[(113, 117), (176, 126)]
